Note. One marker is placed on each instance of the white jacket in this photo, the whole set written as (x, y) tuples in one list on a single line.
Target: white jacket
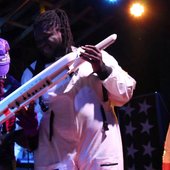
[(71, 134)]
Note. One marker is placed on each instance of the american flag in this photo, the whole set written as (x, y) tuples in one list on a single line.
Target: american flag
[(143, 122)]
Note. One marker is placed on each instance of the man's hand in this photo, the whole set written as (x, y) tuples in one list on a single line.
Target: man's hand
[(28, 120), (94, 56)]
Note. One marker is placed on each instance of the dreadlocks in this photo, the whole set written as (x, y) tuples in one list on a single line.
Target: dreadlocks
[(57, 19)]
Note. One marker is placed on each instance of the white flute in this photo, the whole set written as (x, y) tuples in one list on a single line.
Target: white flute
[(43, 81)]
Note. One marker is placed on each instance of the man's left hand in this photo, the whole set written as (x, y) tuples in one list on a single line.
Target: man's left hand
[(94, 56)]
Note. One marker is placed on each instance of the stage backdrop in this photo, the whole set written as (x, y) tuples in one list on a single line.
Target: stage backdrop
[(144, 122)]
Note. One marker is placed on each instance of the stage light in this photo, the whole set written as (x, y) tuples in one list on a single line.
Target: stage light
[(137, 9), (111, 1)]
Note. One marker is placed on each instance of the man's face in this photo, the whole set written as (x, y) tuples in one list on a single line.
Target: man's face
[(49, 42)]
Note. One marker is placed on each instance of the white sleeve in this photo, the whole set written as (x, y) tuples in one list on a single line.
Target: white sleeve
[(120, 85)]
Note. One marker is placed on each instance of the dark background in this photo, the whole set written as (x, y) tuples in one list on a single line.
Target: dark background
[(142, 46)]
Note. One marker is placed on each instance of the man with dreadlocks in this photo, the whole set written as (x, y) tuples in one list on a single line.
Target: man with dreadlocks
[(78, 129)]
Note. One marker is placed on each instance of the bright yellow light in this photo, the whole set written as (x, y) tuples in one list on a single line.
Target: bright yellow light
[(137, 9)]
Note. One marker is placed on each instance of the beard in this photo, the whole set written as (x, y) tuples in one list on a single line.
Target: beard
[(49, 53)]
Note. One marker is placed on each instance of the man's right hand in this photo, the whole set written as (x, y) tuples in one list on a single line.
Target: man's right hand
[(27, 119)]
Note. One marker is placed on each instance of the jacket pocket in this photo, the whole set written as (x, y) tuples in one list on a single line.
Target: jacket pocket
[(106, 163)]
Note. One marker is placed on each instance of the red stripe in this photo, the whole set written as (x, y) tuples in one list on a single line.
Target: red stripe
[(166, 166)]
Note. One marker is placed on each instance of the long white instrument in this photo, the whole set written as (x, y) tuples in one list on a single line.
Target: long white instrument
[(43, 81)]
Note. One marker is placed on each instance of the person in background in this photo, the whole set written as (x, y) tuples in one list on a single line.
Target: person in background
[(78, 129), (7, 84)]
